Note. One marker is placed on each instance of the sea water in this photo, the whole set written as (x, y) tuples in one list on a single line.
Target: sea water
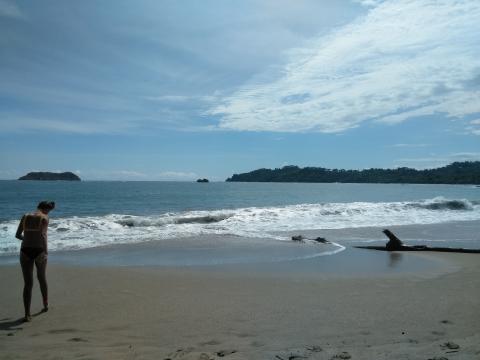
[(210, 217)]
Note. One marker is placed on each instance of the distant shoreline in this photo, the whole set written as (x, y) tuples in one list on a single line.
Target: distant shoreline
[(457, 173), (230, 181)]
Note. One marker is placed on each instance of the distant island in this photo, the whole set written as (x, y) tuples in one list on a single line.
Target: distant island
[(67, 176), (202, 180), (467, 172)]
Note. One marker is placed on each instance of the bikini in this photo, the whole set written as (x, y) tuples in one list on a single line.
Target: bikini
[(31, 252)]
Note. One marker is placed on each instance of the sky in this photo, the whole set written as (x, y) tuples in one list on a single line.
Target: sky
[(180, 90)]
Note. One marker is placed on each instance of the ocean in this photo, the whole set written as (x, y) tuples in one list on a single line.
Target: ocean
[(209, 217)]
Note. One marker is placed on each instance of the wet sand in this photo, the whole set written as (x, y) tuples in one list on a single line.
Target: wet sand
[(290, 311)]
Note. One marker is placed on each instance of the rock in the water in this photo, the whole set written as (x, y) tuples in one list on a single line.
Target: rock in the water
[(202, 180), (67, 176)]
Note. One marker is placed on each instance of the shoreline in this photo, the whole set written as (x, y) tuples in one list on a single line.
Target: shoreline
[(221, 250)]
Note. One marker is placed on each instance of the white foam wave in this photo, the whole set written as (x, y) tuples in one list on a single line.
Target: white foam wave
[(85, 232)]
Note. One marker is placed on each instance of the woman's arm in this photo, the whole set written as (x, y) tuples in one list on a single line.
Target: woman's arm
[(19, 234), (45, 231)]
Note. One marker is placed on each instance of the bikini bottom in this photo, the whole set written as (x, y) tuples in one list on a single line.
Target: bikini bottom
[(31, 252)]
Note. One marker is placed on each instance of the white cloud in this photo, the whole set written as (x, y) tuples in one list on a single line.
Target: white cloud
[(410, 145), (135, 175), (404, 59), (474, 127), (15, 122), (437, 160), (11, 10), (9, 174), (176, 175), (129, 174), (369, 2), (181, 98)]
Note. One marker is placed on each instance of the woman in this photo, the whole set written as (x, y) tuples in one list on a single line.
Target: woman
[(32, 230)]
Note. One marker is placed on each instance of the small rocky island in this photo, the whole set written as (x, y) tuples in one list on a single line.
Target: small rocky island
[(49, 176), (202, 180)]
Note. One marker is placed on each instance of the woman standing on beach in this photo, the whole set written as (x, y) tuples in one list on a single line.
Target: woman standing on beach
[(32, 230)]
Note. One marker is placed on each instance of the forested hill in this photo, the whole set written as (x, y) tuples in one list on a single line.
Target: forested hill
[(456, 173)]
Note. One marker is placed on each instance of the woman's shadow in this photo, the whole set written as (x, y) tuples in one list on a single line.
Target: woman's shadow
[(7, 324)]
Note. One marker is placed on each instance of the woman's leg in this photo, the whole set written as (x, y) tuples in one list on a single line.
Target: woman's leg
[(27, 270), (41, 263)]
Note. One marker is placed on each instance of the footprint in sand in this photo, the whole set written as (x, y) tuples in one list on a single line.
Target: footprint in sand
[(303, 353), (300, 353), (62, 331), (211, 342), (223, 353), (314, 348), (188, 354), (450, 345), (291, 357), (257, 344), (343, 356), (77, 339), (179, 354)]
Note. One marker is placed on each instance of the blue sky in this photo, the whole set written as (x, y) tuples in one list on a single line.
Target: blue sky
[(176, 90)]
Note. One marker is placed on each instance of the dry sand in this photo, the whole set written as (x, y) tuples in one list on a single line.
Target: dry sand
[(239, 313)]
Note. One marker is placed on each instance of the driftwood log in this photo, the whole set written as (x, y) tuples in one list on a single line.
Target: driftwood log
[(395, 244)]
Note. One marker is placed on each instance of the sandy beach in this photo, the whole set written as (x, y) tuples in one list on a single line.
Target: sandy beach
[(241, 312)]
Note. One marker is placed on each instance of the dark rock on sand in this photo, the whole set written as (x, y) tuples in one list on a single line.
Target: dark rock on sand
[(301, 238), (322, 240)]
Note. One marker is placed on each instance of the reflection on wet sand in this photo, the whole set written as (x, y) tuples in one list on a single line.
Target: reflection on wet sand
[(394, 259)]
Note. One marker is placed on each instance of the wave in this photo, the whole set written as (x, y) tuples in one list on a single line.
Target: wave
[(257, 222), (441, 203), (131, 221)]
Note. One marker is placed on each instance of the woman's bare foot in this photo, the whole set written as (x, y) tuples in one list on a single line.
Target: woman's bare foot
[(45, 309), (27, 318)]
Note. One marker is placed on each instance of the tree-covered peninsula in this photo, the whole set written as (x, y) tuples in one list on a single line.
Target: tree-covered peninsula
[(467, 172)]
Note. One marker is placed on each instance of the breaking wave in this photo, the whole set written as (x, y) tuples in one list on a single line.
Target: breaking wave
[(131, 221), (260, 222), (441, 203)]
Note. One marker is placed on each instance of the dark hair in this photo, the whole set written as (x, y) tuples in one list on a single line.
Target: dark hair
[(46, 205)]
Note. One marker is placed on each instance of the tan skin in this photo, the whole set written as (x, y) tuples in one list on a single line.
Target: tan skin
[(27, 269), (19, 235)]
